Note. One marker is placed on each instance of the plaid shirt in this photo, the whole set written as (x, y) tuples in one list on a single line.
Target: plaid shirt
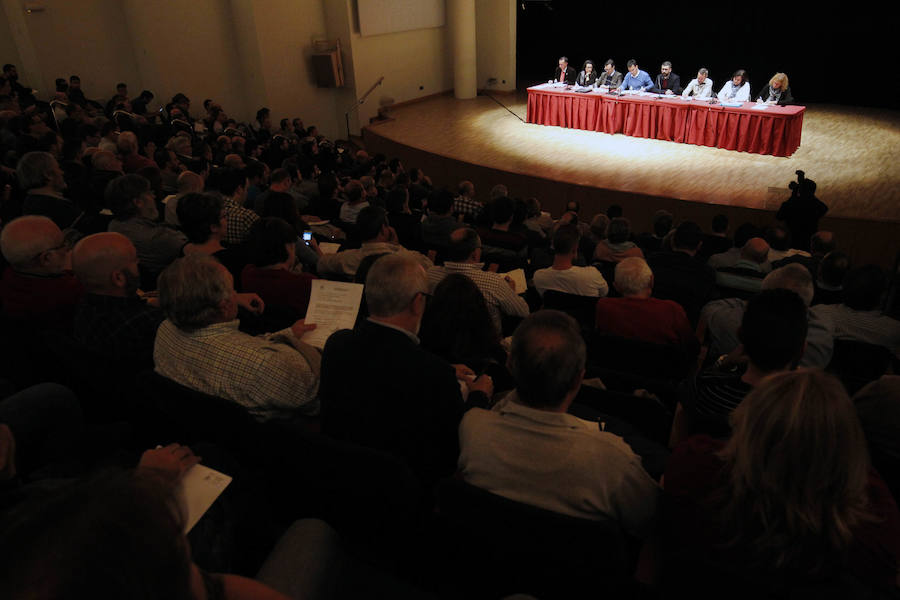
[(464, 205), (269, 378), (240, 220), (118, 328), (500, 298)]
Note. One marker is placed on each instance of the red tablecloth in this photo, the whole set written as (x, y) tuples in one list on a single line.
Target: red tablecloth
[(775, 130)]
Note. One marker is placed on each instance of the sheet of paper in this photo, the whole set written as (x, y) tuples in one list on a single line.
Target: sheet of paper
[(329, 247), (333, 305), (518, 277), (197, 490)]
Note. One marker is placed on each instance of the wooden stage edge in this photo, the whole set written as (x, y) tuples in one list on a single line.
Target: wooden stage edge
[(865, 240)]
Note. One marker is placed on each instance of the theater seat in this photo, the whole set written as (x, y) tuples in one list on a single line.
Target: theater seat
[(498, 547), (581, 308), (857, 363), (628, 364)]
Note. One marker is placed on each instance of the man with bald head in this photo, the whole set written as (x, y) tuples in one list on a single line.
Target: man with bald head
[(37, 286), (112, 319), (748, 272)]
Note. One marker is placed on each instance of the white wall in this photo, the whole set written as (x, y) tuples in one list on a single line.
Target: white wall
[(496, 41)]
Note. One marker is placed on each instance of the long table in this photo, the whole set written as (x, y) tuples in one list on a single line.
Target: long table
[(774, 130)]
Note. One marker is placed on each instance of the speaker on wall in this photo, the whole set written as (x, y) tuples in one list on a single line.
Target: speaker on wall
[(328, 69)]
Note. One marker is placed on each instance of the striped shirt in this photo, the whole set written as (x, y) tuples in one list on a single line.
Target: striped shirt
[(868, 326), (269, 378), (500, 298)]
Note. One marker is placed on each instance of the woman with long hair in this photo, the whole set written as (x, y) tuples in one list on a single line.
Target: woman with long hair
[(788, 502)]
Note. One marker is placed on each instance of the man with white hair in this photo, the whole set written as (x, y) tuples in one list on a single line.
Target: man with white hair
[(637, 315), (188, 182), (37, 285), (382, 390), (199, 346), (132, 161), (40, 176), (720, 319)]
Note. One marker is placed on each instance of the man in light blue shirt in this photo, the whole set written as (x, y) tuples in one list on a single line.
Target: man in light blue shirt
[(636, 79)]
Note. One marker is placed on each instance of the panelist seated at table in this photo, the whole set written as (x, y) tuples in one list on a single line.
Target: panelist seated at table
[(588, 76), (701, 87), (564, 73), (667, 82), (777, 91), (736, 90), (637, 79), (609, 78)]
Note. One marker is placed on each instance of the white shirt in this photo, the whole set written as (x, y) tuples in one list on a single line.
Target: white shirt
[(699, 90), (581, 281), (742, 94)]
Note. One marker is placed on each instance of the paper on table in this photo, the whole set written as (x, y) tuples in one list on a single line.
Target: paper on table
[(333, 305), (518, 277), (760, 107), (197, 490), (329, 247)]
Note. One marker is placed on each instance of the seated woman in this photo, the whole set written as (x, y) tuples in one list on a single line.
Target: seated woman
[(789, 504), (458, 327), (202, 218), (777, 91), (736, 90), (588, 76), (283, 206), (271, 273)]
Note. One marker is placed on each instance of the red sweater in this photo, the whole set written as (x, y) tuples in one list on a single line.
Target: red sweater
[(647, 319)]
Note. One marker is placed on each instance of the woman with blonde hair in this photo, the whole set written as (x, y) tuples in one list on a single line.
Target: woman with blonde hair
[(787, 504), (777, 91)]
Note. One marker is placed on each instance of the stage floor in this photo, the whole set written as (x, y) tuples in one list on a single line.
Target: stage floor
[(851, 153)]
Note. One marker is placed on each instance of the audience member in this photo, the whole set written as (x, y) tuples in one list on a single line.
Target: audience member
[(860, 317), (440, 222), (721, 319), (680, 276), (112, 320), (135, 216), (830, 275), (37, 286), (271, 273), (775, 508), (204, 222), (772, 334), (188, 183), (498, 447), (565, 277), (463, 256), (717, 241), (200, 347), (377, 238), (653, 241), (381, 390), (728, 258), (42, 179), (638, 315), (232, 184), (132, 161), (617, 246), (802, 211), (748, 272)]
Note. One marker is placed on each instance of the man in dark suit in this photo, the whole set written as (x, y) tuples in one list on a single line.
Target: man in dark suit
[(610, 77), (380, 389), (565, 73), (667, 82)]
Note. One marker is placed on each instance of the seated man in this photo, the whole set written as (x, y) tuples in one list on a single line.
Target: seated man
[(530, 450), (667, 82), (233, 185), (701, 87), (440, 222), (565, 73), (382, 390), (463, 256), (860, 317), (721, 319), (200, 347), (37, 285), (112, 319), (134, 215), (680, 276), (132, 161), (610, 78), (565, 277), (772, 333), (40, 176), (636, 79), (378, 238), (748, 272), (637, 315)]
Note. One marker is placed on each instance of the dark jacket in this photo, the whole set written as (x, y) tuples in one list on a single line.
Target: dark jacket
[(786, 97), (674, 84), (570, 75)]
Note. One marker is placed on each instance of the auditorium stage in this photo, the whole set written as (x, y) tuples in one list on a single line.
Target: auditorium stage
[(849, 152)]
